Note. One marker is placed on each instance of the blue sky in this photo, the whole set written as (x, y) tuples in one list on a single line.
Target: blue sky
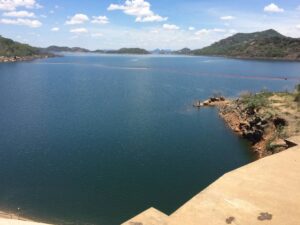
[(150, 24)]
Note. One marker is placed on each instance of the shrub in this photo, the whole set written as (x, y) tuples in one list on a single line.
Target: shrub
[(256, 101)]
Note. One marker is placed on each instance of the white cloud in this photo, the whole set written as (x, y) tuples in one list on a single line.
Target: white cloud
[(192, 28), (298, 26), (140, 9), (22, 22), (96, 35), (55, 29), (153, 18), (19, 14), (100, 20), (202, 32), (227, 17), (273, 8), (209, 31), (218, 30), (78, 19), (79, 30), (170, 27), (10, 5)]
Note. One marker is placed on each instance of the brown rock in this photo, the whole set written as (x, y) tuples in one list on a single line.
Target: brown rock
[(278, 144)]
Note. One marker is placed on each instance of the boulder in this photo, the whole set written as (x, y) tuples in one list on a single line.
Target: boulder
[(250, 111), (278, 146), (255, 121), (206, 103), (244, 125), (278, 143), (253, 135), (213, 99), (278, 122)]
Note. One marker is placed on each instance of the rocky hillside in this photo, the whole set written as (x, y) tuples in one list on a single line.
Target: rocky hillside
[(265, 44)]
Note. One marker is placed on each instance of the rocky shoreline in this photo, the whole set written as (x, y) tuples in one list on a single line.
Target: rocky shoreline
[(258, 130), (265, 126), (10, 59)]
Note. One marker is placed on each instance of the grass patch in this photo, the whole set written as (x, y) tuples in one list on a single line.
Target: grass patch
[(256, 101)]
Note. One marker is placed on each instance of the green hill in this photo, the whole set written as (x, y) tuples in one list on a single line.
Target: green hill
[(83, 50), (55, 48), (138, 51), (184, 51), (265, 44), (10, 48)]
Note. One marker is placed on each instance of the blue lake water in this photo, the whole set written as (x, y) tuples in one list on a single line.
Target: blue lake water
[(96, 139)]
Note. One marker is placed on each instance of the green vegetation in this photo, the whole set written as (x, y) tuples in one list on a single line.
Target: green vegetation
[(256, 101), (268, 118), (184, 51), (265, 44), (55, 48), (10, 48), (138, 51)]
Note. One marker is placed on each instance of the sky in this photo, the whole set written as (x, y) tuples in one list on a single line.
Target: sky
[(149, 24)]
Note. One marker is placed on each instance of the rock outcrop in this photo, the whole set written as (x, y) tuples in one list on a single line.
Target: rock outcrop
[(262, 131)]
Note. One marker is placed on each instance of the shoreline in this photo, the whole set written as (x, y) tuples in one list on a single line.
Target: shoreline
[(12, 59), (277, 59), (266, 119), (7, 59)]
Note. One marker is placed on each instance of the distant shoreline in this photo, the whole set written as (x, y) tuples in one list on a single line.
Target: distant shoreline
[(252, 58), (11, 59)]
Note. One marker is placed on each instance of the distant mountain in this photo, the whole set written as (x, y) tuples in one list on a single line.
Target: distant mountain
[(265, 44), (83, 50), (138, 51), (10, 48), (258, 45), (184, 51), (55, 48), (162, 51), (99, 51)]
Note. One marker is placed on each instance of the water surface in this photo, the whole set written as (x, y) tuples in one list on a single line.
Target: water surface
[(98, 139)]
